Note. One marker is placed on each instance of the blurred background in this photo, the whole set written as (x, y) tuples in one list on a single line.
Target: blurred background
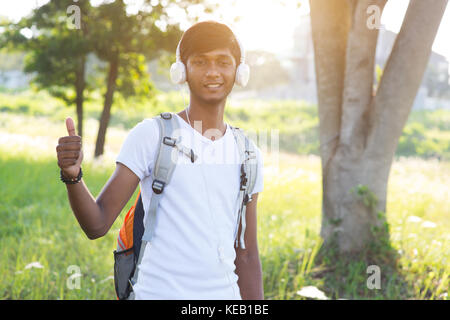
[(106, 64)]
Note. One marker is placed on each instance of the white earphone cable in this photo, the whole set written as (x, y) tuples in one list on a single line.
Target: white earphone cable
[(184, 103)]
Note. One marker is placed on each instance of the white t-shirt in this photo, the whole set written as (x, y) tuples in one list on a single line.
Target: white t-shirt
[(192, 253)]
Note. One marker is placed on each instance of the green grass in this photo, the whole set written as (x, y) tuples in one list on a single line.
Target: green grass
[(37, 224)]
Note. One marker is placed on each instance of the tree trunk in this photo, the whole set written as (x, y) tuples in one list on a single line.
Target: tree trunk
[(80, 85), (359, 132), (106, 113)]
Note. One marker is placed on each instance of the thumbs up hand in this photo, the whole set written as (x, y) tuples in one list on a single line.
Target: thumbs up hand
[(69, 152)]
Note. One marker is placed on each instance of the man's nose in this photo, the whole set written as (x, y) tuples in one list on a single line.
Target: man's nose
[(212, 70)]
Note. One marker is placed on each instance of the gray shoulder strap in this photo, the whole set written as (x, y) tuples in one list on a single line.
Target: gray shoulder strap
[(165, 162), (249, 167)]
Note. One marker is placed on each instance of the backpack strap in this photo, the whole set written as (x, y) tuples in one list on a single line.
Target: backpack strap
[(249, 167), (165, 163)]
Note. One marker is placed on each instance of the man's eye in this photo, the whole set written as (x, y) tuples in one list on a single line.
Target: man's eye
[(225, 63), (199, 62)]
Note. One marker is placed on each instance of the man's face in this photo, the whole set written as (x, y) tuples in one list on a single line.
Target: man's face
[(211, 75)]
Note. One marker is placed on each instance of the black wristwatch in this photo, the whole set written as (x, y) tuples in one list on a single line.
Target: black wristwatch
[(73, 180)]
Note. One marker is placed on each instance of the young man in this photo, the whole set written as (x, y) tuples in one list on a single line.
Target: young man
[(192, 254)]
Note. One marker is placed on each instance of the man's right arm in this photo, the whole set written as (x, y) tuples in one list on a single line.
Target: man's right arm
[(96, 216)]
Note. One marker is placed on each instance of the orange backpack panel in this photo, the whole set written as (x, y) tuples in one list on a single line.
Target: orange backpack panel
[(125, 238)]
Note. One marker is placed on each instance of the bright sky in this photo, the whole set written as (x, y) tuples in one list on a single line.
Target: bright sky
[(265, 24)]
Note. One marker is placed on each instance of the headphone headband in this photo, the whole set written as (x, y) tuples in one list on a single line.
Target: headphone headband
[(241, 49)]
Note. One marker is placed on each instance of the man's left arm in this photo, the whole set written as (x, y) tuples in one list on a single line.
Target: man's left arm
[(248, 264)]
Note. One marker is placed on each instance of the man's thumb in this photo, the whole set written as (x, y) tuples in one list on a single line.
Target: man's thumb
[(70, 126)]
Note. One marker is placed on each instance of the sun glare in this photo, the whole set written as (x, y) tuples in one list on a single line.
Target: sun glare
[(259, 24)]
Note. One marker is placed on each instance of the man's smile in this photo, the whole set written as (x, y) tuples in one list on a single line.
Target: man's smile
[(213, 84)]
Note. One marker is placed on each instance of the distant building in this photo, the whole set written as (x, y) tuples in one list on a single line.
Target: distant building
[(14, 79)]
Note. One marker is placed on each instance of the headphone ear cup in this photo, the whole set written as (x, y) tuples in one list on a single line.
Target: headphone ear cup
[(242, 74), (178, 72)]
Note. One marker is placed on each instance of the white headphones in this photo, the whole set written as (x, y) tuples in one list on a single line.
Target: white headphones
[(178, 69)]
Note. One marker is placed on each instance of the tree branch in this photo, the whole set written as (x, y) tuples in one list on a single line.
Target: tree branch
[(330, 21), (359, 74), (402, 76)]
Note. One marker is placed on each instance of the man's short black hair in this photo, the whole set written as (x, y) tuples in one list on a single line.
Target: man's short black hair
[(207, 36)]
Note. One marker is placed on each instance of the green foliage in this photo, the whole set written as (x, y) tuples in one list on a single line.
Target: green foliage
[(379, 73), (379, 230), (135, 80), (55, 54), (366, 195), (295, 122), (421, 141)]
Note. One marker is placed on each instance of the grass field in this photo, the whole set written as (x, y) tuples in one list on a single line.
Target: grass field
[(40, 238)]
